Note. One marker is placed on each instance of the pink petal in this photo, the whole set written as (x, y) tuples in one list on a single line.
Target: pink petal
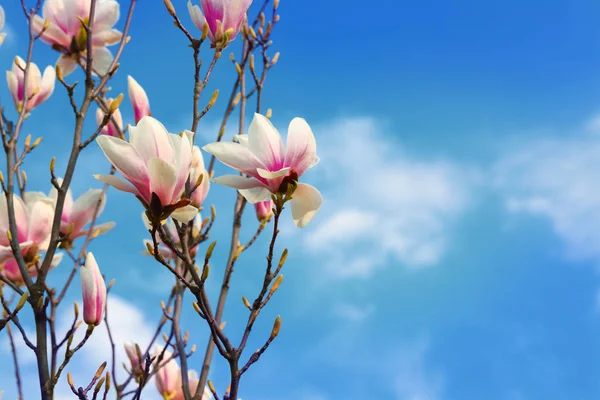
[(265, 142), (40, 223), (301, 146), (126, 160), (151, 140), (235, 156), (163, 178)]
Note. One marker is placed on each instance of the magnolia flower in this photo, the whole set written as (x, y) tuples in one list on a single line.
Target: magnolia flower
[(264, 209), (171, 230), (193, 384), (2, 35), (139, 99), (224, 18), (168, 376), (77, 214), (199, 194), (112, 128), (93, 291), (261, 155), (133, 353), (34, 224), (39, 87), (65, 32), (156, 165)]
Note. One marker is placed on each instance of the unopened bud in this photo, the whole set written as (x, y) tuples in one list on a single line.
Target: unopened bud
[(170, 8), (24, 175), (149, 248), (283, 258), (252, 33), (236, 99), (9, 236), (110, 284), (46, 25), (37, 142), (238, 251), (222, 325), (251, 62), (213, 99), (205, 272), (276, 19), (210, 249), (52, 163), (59, 74), (99, 385), (100, 370), (107, 382), (196, 307), (275, 4), (70, 380), (269, 113), (275, 58), (276, 327), (76, 309), (246, 302), (238, 68), (211, 386), (276, 284), (204, 31), (28, 141), (22, 300), (115, 103)]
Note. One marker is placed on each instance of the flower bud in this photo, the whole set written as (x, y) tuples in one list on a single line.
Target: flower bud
[(264, 210), (93, 291), (139, 99)]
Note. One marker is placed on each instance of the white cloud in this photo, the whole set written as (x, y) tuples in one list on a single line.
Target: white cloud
[(381, 203), (127, 322), (414, 379), (558, 180), (353, 313)]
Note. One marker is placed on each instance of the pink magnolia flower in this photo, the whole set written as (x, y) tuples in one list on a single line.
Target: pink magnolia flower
[(168, 376), (112, 128), (154, 162), (34, 225), (66, 34), (80, 212), (139, 99), (198, 169), (93, 291), (137, 364), (264, 209), (2, 35), (171, 230), (262, 155), (221, 16), (193, 383), (39, 87)]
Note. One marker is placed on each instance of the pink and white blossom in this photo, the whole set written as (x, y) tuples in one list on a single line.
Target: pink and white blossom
[(137, 364), (193, 384), (39, 87), (271, 166), (139, 99), (112, 128), (34, 224), (66, 34), (264, 210), (154, 161), (77, 214), (168, 377), (221, 16), (199, 194), (93, 291), (2, 35)]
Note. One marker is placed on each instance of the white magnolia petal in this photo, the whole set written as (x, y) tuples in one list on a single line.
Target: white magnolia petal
[(238, 182), (124, 157), (117, 183), (305, 203), (256, 195), (67, 65), (185, 214), (273, 174), (235, 156)]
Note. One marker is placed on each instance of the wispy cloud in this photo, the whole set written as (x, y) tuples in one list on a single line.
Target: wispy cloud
[(381, 204), (558, 179)]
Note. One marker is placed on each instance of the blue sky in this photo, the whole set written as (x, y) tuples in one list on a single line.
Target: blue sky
[(456, 254)]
